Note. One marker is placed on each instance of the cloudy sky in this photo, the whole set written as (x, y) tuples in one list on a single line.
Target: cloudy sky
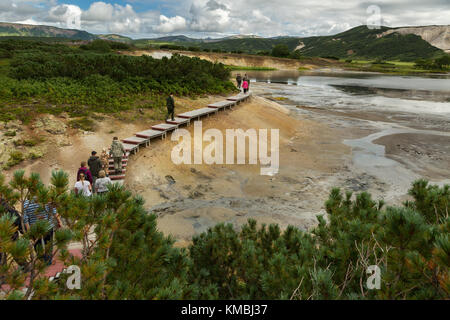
[(216, 18)]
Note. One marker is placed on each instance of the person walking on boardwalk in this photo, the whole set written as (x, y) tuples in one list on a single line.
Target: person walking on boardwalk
[(104, 158), (245, 86), (101, 185), (95, 165), (170, 106), (87, 173), (246, 78), (117, 151), (83, 187), (239, 80)]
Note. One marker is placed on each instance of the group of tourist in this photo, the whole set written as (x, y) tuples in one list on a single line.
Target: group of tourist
[(94, 177), (243, 82)]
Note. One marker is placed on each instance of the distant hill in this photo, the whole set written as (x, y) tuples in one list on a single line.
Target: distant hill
[(115, 37), (175, 39), (362, 42), (404, 44), (27, 30)]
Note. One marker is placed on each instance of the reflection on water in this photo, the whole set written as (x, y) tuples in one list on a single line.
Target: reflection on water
[(356, 90)]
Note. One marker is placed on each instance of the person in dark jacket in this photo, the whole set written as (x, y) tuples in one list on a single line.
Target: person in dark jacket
[(170, 107), (246, 78), (95, 165), (86, 171), (239, 80)]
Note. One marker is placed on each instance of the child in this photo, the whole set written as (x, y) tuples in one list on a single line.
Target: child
[(104, 158)]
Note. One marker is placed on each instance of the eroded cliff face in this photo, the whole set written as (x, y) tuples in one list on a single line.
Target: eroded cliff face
[(438, 36)]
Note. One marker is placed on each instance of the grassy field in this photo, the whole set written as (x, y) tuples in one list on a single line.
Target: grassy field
[(391, 67)]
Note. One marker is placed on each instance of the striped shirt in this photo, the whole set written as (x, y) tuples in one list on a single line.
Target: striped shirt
[(31, 214)]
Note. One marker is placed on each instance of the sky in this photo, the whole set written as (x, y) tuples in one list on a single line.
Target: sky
[(218, 18)]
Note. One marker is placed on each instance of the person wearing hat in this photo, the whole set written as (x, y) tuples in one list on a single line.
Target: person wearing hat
[(95, 165)]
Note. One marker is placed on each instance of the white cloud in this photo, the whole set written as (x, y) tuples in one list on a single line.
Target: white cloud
[(99, 11), (169, 25), (66, 15), (202, 18)]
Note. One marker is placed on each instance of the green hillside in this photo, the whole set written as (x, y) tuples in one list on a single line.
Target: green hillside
[(115, 37), (360, 42), (25, 30)]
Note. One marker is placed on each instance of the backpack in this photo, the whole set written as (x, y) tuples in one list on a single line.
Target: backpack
[(116, 149)]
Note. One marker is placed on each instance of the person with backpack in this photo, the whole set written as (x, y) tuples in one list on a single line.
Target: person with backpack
[(95, 165), (239, 80), (170, 103), (117, 151), (34, 213), (246, 78), (85, 171)]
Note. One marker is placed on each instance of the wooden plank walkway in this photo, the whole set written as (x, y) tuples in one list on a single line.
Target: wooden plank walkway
[(222, 104), (165, 127), (143, 138), (179, 121), (150, 134), (197, 114), (240, 97)]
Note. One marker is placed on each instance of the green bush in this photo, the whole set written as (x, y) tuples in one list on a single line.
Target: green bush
[(281, 51), (15, 157), (11, 133)]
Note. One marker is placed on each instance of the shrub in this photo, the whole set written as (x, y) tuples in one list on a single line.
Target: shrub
[(11, 133), (280, 51), (15, 157)]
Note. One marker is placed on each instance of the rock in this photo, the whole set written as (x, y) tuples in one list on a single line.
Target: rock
[(64, 142), (51, 125), (64, 115), (170, 179)]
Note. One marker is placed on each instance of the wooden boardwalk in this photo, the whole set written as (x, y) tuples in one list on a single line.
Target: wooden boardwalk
[(143, 138)]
